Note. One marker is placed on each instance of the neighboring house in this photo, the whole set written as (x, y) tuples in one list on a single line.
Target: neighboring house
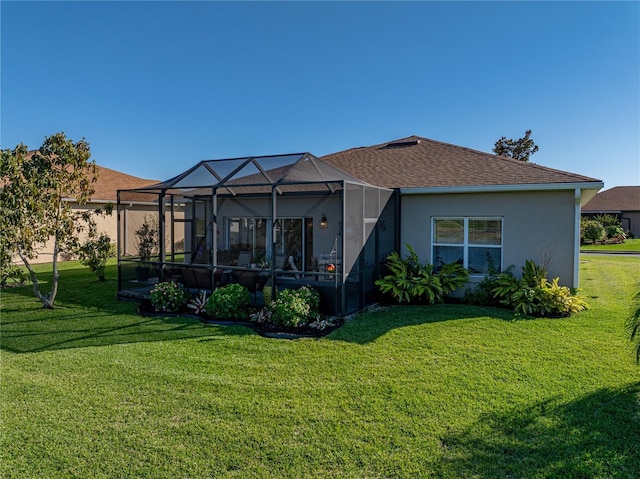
[(620, 201), (106, 187), (331, 222)]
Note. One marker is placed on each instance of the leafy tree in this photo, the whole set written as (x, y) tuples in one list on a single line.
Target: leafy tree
[(34, 207), (520, 149)]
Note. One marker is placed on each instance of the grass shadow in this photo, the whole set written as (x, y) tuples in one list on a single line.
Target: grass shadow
[(87, 313), (370, 326), (594, 436)]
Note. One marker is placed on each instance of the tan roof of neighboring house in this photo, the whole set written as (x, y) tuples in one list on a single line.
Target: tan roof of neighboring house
[(619, 198), (415, 162), (110, 181)]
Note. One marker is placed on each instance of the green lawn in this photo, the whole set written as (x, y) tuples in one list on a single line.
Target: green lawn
[(628, 245), (92, 390)]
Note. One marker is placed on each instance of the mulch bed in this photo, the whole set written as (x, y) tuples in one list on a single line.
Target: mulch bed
[(266, 330)]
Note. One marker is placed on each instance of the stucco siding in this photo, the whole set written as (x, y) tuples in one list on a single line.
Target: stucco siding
[(104, 224), (631, 221), (536, 225)]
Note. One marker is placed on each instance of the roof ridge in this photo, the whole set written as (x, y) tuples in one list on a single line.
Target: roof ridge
[(427, 162), (493, 155)]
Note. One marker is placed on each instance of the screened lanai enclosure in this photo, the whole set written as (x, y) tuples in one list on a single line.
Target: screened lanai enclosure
[(284, 221)]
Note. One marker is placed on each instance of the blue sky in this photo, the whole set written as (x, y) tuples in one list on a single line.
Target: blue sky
[(157, 86)]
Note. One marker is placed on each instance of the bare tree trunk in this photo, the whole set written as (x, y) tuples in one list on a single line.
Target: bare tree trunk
[(56, 276), (34, 279)]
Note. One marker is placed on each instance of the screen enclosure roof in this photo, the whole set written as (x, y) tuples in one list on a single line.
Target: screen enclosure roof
[(256, 174)]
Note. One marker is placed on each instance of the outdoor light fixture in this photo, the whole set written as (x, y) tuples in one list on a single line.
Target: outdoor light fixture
[(323, 221)]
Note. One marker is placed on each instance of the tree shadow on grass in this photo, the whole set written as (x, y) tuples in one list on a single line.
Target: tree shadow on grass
[(370, 326), (88, 314), (597, 435)]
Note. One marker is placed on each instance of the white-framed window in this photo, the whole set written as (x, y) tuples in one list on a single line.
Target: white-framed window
[(474, 242)]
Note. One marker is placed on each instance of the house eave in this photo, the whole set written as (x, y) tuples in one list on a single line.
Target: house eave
[(434, 190)]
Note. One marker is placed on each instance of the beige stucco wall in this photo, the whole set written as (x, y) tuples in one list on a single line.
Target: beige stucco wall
[(536, 225), (107, 224), (633, 221)]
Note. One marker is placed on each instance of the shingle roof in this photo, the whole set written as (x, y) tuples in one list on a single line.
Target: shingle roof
[(415, 162), (619, 198), (110, 181)]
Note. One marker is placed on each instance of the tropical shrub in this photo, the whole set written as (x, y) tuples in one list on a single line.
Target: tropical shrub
[(614, 231), (168, 297), (611, 224), (229, 302), (95, 253), (410, 281), (534, 295), (198, 303)]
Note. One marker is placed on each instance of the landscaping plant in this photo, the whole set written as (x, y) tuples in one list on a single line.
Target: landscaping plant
[(413, 282), (147, 238), (592, 230), (295, 307), (534, 295), (229, 302), (611, 224), (95, 253), (198, 303), (168, 297)]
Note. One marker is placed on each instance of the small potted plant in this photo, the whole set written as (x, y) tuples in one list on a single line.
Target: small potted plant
[(146, 243)]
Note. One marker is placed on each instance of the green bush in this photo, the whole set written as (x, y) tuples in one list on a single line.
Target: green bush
[(295, 307), (534, 295), (592, 230), (610, 223), (168, 297), (614, 231), (229, 302), (413, 282)]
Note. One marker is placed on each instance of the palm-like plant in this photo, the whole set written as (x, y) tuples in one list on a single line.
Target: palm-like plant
[(413, 282)]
